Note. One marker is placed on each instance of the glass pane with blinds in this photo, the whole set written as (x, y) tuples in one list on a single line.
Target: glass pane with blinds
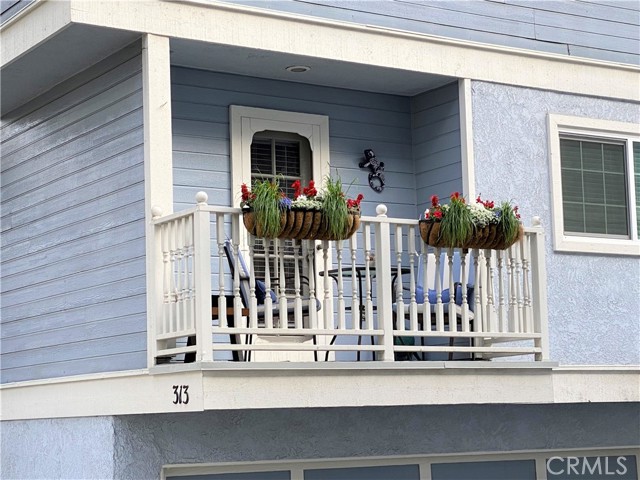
[(594, 187), (636, 170), (281, 159)]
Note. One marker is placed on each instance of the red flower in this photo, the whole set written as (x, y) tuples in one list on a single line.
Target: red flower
[(310, 191), (434, 200), (246, 194), (437, 214), (296, 189)]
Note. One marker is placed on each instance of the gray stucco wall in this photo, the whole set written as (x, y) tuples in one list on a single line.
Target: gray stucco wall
[(64, 448), (594, 300), (137, 446)]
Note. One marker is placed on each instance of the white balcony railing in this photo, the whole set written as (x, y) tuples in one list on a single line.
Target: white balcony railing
[(358, 299)]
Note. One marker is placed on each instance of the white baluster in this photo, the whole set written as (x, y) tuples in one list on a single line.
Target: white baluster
[(368, 261), (502, 320), (308, 252), (166, 279), (525, 251), (222, 299), (464, 281), (268, 302), (413, 306), (326, 320), (426, 305), (296, 286), (478, 310), (439, 305), (453, 320), (356, 307), (237, 299), (284, 316), (400, 325), (489, 310), (253, 300), (341, 306)]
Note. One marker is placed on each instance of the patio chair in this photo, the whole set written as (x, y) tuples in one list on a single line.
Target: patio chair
[(426, 291), (261, 294)]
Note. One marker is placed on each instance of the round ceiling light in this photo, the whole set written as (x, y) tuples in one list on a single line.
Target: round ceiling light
[(298, 69)]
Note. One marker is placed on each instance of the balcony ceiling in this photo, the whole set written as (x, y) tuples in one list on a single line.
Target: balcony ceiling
[(268, 64), (77, 47)]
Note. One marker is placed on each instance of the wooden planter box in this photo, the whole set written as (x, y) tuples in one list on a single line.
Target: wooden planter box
[(488, 237), (302, 225)]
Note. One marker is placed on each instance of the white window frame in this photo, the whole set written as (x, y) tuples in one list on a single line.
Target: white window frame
[(245, 122), (594, 129)]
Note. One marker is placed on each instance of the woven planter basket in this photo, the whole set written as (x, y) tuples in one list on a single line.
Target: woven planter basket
[(488, 237), (302, 225)]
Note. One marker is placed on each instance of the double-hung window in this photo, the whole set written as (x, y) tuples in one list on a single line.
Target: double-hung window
[(595, 180)]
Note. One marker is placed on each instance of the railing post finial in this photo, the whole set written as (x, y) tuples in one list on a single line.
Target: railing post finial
[(536, 221), (381, 210), (156, 212), (201, 198)]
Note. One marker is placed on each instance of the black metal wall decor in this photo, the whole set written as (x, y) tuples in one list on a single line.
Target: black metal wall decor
[(376, 176)]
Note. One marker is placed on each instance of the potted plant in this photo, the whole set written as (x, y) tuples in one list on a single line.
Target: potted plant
[(325, 215), (481, 224)]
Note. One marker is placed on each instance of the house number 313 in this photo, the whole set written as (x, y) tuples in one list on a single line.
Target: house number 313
[(180, 394)]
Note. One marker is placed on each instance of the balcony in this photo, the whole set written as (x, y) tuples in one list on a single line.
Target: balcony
[(364, 299)]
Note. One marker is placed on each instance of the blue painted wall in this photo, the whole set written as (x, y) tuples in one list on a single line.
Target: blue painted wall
[(603, 30), (594, 300), (73, 261), (357, 120), (436, 144)]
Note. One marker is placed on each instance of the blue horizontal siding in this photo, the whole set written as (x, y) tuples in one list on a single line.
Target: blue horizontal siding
[(593, 29), (73, 247), (436, 144)]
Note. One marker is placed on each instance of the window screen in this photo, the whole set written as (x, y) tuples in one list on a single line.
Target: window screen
[(594, 187)]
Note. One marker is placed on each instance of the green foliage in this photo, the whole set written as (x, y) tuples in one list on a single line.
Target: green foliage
[(266, 206), (334, 207), (508, 222), (456, 226)]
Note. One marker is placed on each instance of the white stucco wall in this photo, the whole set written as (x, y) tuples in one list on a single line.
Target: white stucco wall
[(594, 300)]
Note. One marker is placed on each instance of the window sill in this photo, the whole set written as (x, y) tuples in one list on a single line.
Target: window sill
[(601, 246)]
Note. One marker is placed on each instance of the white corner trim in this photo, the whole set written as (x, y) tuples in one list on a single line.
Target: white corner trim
[(158, 159), (465, 99), (557, 125)]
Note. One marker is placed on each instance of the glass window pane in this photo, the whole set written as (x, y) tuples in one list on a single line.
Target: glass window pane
[(573, 217), (595, 220), (636, 169), (261, 161), (593, 187), (592, 156), (396, 472), (617, 221), (616, 189), (498, 470), (288, 158), (613, 156), (572, 186), (570, 154)]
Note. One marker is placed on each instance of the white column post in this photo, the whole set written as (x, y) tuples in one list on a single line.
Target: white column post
[(539, 289), (383, 282), (202, 278), (158, 181)]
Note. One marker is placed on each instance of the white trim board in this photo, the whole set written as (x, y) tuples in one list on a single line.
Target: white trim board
[(261, 29), (595, 128), (423, 460), (214, 387)]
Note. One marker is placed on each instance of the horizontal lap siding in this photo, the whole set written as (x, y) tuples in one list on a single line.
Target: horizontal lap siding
[(357, 121), (593, 29), (436, 144), (73, 285)]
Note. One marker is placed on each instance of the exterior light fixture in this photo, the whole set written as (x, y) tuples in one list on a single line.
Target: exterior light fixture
[(298, 68)]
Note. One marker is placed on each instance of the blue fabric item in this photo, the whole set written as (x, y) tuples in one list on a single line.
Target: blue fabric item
[(261, 292), (432, 295)]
